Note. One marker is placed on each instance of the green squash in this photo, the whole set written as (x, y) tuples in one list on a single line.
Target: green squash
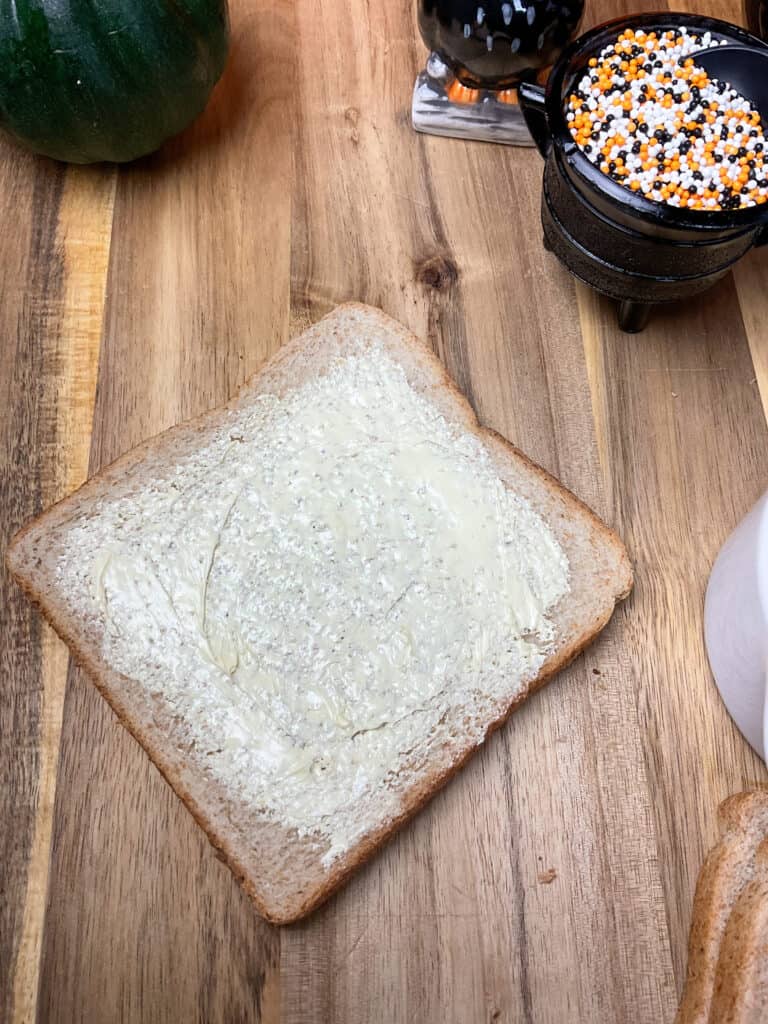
[(91, 80)]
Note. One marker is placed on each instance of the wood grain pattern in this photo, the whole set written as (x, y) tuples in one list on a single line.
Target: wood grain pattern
[(83, 230), (751, 279), (675, 513), (29, 197), (553, 879), (58, 223)]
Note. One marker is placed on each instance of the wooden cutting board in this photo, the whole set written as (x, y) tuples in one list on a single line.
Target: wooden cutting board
[(553, 879)]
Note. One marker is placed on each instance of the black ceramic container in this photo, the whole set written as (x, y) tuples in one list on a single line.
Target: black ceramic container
[(491, 44), (636, 251)]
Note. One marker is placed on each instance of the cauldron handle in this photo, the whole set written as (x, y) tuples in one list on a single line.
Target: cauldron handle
[(534, 110)]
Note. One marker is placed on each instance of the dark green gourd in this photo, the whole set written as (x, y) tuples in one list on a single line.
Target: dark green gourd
[(91, 80)]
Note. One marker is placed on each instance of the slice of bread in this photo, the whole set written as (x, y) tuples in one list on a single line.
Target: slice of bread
[(312, 605), (727, 978)]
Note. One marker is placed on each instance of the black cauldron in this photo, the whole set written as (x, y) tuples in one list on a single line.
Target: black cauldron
[(636, 251)]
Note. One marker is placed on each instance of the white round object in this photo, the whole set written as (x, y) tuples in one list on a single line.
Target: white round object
[(736, 625)]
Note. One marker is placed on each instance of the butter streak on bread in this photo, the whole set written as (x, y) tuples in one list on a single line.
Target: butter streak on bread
[(312, 605)]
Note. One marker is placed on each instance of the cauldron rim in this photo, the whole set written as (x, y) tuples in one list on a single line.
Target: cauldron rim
[(576, 162)]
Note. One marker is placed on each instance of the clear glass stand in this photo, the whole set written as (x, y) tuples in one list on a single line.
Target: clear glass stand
[(443, 106)]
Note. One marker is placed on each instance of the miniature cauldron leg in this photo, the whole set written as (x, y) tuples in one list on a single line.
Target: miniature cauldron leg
[(634, 316)]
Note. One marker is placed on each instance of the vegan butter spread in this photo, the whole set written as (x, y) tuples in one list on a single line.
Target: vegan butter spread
[(317, 586)]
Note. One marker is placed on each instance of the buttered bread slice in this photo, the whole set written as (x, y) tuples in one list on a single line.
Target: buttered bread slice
[(312, 605)]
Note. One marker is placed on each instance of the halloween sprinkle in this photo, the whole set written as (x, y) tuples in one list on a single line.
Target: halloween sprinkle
[(648, 117)]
